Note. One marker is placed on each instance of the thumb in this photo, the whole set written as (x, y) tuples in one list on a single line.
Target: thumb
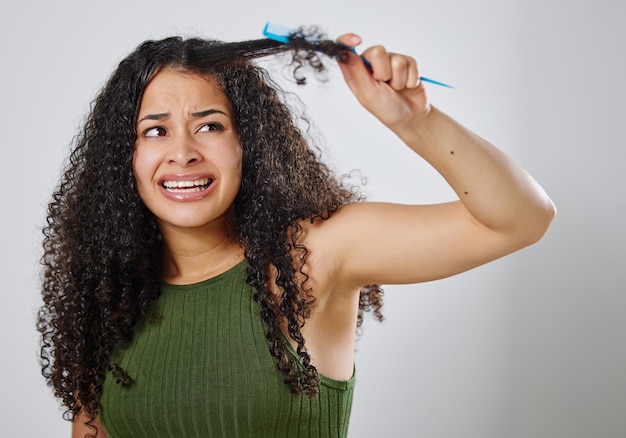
[(355, 72)]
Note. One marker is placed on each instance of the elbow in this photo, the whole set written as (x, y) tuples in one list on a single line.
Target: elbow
[(537, 224)]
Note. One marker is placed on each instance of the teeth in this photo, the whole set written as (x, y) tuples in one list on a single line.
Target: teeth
[(186, 184)]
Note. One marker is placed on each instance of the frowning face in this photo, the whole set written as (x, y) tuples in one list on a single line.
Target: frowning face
[(187, 159)]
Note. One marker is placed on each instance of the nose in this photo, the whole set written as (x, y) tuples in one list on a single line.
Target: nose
[(183, 150)]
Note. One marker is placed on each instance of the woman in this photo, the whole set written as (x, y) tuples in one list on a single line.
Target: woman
[(205, 272)]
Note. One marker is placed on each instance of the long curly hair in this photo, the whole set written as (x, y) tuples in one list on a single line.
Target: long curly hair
[(102, 247)]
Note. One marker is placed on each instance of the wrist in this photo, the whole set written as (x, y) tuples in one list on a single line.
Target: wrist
[(417, 129)]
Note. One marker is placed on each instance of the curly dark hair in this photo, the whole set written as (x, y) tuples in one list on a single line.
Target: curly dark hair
[(102, 246)]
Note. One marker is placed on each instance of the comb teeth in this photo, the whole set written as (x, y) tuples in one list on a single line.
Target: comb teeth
[(277, 32)]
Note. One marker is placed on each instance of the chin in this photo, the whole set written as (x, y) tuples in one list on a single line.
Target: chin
[(193, 221)]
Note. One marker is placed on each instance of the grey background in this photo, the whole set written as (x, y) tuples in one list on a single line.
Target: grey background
[(529, 346)]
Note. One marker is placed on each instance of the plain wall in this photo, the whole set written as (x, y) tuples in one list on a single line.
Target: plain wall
[(531, 345)]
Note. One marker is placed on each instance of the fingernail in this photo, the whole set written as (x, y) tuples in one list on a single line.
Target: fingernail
[(355, 40)]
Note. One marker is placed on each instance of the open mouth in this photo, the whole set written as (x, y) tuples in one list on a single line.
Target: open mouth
[(197, 185)]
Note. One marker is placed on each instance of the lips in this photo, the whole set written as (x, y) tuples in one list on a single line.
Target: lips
[(186, 187)]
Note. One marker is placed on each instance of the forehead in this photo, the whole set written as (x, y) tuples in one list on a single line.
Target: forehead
[(176, 87)]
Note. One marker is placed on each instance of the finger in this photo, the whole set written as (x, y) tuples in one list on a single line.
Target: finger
[(349, 39), (350, 56), (413, 80), (380, 63), (404, 72), (399, 72), (356, 74)]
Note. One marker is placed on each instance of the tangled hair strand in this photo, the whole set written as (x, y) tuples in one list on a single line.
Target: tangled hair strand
[(102, 247)]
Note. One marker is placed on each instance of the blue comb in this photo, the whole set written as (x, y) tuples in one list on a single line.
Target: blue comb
[(282, 34)]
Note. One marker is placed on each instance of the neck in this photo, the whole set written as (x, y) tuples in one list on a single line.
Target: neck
[(194, 254)]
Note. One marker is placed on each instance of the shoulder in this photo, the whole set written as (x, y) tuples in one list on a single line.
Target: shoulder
[(328, 242), (337, 237)]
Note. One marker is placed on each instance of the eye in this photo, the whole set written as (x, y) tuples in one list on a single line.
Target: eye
[(156, 131), (212, 126)]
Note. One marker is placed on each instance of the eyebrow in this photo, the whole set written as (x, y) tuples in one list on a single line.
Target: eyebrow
[(208, 113), (198, 114)]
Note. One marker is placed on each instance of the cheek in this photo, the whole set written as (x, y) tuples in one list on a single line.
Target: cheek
[(239, 161), (239, 167), (136, 166), (234, 159), (141, 170)]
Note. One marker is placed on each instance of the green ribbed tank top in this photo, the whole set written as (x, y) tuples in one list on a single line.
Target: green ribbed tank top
[(203, 369)]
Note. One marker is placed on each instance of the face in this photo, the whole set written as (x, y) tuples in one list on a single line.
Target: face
[(187, 159)]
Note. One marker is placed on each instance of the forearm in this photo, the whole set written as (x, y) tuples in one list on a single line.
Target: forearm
[(497, 194), (495, 190)]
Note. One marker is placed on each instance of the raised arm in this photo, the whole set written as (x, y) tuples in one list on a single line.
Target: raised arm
[(500, 209)]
